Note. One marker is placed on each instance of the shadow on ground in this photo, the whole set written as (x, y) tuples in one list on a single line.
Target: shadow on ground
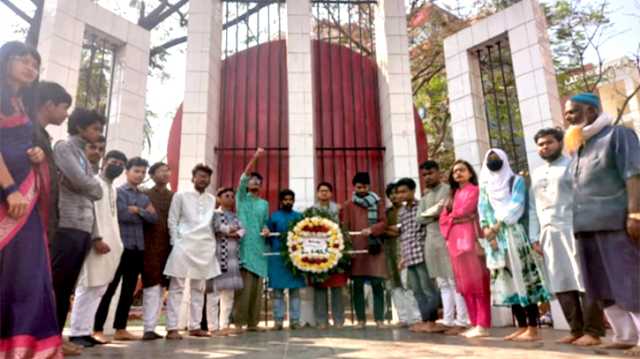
[(347, 343)]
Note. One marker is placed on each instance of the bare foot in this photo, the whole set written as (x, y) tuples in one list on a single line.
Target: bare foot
[(173, 335), (517, 333), (617, 346), (124, 335), (587, 340), (70, 350), (455, 331), (418, 327), (99, 336), (633, 352), (433, 327), (199, 333), (569, 339), (530, 335)]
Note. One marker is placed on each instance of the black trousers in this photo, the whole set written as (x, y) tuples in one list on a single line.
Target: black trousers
[(68, 253), (526, 316), (129, 270), (583, 315)]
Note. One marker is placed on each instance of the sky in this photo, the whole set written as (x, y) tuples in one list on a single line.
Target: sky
[(165, 93)]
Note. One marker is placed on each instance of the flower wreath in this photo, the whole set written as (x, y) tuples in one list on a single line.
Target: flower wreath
[(316, 246)]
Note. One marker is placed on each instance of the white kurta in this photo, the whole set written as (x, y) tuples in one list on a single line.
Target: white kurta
[(193, 254), (551, 223), (99, 269)]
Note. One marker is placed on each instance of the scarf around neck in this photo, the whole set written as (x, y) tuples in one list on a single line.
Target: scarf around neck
[(370, 202)]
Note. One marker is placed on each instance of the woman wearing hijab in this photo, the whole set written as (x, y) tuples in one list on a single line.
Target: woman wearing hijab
[(516, 279)]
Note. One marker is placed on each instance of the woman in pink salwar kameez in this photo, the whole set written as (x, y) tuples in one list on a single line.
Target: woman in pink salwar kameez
[(459, 226)]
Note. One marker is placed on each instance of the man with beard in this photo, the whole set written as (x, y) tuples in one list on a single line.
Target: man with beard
[(436, 253), (364, 213), (281, 277), (193, 256), (551, 231), (100, 266), (156, 249), (253, 212), (606, 215)]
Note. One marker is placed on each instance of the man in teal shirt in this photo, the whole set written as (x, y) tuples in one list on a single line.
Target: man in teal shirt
[(253, 212)]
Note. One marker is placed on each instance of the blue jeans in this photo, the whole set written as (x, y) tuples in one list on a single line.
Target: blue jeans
[(279, 305), (426, 293)]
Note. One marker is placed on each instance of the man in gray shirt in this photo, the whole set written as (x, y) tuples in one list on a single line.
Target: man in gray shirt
[(77, 191), (606, 215)]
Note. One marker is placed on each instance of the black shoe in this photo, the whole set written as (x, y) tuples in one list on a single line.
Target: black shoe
[(93, 340), (151, 336), (81, 341)]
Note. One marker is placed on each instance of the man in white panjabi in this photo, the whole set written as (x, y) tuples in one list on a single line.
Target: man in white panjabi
[(102, 262), (193, 256), (551, 232)]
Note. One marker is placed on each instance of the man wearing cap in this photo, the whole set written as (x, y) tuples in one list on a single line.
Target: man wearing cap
[(364, 213), (606, 217)]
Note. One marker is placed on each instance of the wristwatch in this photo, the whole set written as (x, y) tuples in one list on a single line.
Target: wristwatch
[(635, 216)]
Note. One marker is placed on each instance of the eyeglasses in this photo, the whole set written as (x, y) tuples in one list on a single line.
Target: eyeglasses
[(27, 60)]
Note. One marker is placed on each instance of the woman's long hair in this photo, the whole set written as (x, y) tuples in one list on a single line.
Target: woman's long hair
[(8, 52), (455, 186)]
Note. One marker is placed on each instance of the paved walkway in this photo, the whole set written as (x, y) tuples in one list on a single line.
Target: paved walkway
[(346, 343)]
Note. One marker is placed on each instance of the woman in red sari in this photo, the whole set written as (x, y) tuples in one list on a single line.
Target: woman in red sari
[(460, 228), (28, 326)]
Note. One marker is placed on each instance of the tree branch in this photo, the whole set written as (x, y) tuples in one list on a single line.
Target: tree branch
[(159, 14), (166, 46), (246, 15), (628, 98), (334, 24), (17, 11), (33, 35), (434, 58), (625, 104), (427, 79)]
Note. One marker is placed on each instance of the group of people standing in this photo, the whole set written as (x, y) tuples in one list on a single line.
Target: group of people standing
[(469, 243)]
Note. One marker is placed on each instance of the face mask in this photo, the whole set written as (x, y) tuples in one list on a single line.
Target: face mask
[(287, 207), (494, 165), (113, 171)]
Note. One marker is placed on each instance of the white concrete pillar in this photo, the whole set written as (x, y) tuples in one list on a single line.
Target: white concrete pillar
[(202, 96), (468, 123), (60, 45), (394, 83), (127, 113), (302, 157), (65, 23), (301, 144), (525, 26)]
